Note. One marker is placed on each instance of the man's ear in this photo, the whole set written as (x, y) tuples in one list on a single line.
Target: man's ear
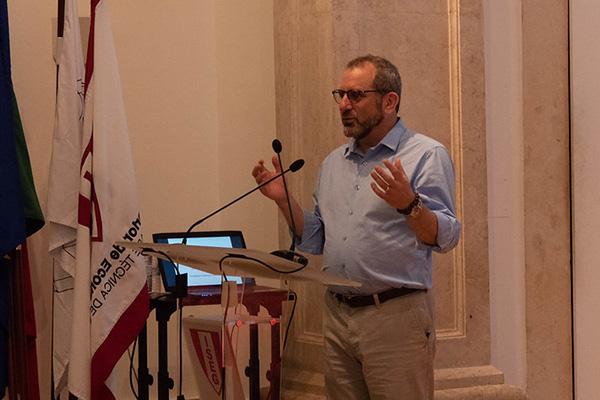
[(390, 102)]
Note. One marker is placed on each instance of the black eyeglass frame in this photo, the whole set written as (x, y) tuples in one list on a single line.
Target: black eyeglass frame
[(354, 95)]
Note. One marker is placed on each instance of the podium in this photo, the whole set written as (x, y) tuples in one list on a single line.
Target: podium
[(212, 350), (228, 261)]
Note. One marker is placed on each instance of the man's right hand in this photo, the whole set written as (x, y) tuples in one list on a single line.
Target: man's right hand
[(274, 190)]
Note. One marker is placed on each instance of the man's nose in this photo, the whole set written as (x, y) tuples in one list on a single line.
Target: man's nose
[(345, 103)]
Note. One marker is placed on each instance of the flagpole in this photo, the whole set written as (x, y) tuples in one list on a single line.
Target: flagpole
[(60, 27), (61, 18)]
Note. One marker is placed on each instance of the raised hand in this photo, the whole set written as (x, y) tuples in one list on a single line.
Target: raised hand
[(274, 190), (392, 185)]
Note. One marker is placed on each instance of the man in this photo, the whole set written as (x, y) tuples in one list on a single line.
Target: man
[(383, 203)]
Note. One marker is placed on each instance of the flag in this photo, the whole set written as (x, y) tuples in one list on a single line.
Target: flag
[(110, 297), (63, 188), (20, 217), (12, 218), (23, 382), (20, 214)]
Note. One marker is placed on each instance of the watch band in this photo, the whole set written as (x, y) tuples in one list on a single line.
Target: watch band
[(414, 205)]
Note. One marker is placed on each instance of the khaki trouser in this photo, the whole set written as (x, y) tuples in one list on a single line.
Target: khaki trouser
[(380, 352)]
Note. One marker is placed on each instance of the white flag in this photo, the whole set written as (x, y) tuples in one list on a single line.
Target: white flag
[(63, 191), (110, 298)]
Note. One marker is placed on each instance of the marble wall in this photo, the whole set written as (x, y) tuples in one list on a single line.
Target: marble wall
[(438, 47), (547, 201)]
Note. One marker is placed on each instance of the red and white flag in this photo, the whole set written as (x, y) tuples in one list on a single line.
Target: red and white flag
[(110, 299), (63, 191)]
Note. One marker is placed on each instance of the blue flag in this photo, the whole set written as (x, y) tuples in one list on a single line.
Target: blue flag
[(20, 213), (12, 224), (12, 218)]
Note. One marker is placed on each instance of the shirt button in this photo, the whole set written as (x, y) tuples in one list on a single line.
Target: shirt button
[(350, 212), (345, 237), (357, 187)]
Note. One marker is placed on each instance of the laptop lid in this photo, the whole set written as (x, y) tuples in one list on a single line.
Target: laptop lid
[(197, 278)]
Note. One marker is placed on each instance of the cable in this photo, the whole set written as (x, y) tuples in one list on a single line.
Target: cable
[(180, 311), (224, 326), (287, 328), (279, 271), (149, 250), (132, 369), (52, 393), (225, 279), (285, 337)]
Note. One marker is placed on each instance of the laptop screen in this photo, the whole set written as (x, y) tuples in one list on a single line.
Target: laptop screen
[(227, 239)]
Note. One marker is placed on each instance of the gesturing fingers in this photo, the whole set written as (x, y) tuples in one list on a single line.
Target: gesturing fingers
[(391, 184), (258, 168), (383, 180), (275, 162), (379, 191), (261, 173), (396, 170)]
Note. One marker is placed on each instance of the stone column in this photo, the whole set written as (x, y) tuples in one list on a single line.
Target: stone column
[(438, 48), (547, 199)]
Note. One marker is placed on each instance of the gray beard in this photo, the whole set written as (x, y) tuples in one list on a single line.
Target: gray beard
[(361, 130)]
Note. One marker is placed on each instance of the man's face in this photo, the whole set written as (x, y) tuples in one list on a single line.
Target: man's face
[(359, 117)]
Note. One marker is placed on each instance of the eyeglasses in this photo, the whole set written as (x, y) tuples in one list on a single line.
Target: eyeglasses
[(354, 95)]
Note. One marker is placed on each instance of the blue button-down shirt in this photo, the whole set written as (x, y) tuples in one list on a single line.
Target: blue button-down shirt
[(363, 238)]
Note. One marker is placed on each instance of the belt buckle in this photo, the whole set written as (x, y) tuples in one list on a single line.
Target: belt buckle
[(344, 298), (339, 297), (376, 299)]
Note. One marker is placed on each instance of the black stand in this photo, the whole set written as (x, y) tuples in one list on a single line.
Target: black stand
[(253, 369), (164, 306), (144, 377)]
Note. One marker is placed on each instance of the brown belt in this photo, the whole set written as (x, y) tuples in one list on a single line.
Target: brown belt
[(378, 298)]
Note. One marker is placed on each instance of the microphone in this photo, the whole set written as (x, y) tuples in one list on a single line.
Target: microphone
[(295, 166), (277, 149), (288, 254)]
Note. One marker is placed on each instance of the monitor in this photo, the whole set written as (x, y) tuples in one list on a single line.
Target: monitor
[(197, 278)]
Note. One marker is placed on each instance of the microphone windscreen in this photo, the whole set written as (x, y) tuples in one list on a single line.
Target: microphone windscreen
[(296, 165), (276, 146)]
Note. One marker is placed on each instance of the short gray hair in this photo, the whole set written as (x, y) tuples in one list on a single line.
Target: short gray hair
[(387, 78)]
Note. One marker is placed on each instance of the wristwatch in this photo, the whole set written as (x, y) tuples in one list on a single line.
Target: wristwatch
[(414, 208)]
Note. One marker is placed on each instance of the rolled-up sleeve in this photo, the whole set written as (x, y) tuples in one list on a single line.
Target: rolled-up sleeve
[(448, 232), (313, 237), (435, 184)]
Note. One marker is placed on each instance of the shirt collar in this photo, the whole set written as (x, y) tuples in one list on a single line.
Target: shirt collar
[(391, 140)]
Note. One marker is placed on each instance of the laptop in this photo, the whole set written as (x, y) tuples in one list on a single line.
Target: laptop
[(197, 278)]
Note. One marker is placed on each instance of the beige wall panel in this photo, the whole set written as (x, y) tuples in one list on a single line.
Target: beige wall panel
[(437, 46), (305, 120), (585, 97), (547, 203)]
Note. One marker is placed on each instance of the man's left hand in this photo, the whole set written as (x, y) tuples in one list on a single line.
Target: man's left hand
[(392, 185)]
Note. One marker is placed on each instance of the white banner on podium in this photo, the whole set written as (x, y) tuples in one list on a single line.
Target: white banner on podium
[(205, 348)]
